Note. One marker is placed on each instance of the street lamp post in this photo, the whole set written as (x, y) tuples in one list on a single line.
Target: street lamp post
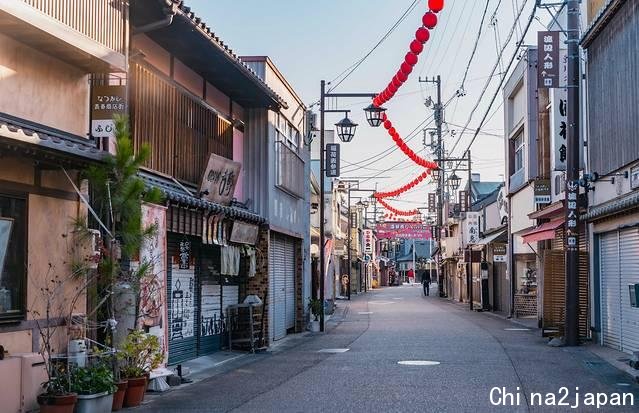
[(345, 131)]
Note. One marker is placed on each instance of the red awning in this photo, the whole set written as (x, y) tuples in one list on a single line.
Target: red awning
[(543, 232)]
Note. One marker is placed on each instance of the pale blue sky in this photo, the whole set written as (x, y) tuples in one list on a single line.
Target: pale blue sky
[(314, 40)]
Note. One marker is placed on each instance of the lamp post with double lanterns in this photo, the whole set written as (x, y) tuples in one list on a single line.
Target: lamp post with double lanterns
[(345, 130)]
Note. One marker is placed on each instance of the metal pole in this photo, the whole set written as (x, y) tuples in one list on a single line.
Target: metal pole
[(440, 186), (414, 267), (322, 206), (572, 178), (350, 233), (469, 200)]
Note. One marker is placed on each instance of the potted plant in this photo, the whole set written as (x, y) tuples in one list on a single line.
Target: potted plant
[(57, 397), (95, 388), (118, 397), (316, 307), (140, 353)]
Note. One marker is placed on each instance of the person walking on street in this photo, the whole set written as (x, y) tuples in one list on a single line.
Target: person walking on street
[(426, 284)]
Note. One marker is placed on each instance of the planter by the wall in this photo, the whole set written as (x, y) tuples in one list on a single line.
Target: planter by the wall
[(57, 404), (315, 326), (135, 392), (94, 403), (118, 396)]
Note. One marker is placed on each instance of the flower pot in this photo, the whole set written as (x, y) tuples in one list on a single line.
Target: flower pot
[(315, 326), (118, 396), (135, 392), (94, 403), (57, 404)]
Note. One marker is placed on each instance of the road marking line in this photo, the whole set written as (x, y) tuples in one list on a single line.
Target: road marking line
[(418, 363), (334, 350)]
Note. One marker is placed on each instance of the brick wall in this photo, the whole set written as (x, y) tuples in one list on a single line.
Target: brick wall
[(258, 285)]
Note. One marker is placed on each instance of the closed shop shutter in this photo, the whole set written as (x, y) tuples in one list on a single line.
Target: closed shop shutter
[(610, 290), (183, 303), (629, 269), (282, 284)]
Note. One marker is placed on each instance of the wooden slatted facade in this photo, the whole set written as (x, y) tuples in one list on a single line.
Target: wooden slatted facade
[(104, 21), (180, 128)]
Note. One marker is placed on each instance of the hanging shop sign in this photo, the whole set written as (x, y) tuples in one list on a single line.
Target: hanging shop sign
[(354, 222), (472, 227), (403, 230), (243, 233), (432, 202), (572, 193), (367, 239), (219, 179), (106, 102), (463, 201), (542, 191), (548, 59), (332, 160), (502, 204), (499, 252)]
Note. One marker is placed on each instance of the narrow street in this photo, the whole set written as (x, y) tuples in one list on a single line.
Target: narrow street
[(476, 352)]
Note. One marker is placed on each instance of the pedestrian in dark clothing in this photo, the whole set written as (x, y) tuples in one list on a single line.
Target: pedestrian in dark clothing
[(426, 283)]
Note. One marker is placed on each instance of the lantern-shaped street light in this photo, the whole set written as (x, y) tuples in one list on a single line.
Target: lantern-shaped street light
[(454, 181), (374, 115), (346, 129), (435, 174)]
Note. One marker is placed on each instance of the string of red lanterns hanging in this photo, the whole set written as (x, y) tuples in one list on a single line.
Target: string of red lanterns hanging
[(422, 35), (396, 211), (412, 184)]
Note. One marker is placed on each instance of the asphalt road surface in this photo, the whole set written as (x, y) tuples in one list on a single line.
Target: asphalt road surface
[(476, 355)]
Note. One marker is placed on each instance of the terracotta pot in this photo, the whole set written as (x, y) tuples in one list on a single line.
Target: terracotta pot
[(57, 404), (118, 396), (135, 392)]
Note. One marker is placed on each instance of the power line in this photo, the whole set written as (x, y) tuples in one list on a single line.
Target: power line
[(472, 55)]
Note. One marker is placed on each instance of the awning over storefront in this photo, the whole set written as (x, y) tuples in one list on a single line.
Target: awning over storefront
[(543, 232), (178, 193), (497, 236)]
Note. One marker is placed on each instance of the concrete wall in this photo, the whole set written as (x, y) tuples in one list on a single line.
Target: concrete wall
[(40, 88)]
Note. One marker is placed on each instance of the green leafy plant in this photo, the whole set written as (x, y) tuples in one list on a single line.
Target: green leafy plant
[(316, 307), (97, 378), (139, 354)]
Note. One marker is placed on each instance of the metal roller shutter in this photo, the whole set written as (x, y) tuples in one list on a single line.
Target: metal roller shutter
[(290, 283), (629, 271), (277, 281), (610, 290), (182, 300)]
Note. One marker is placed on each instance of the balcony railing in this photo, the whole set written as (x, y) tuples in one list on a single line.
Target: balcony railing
[(103, 21), (289, 170)]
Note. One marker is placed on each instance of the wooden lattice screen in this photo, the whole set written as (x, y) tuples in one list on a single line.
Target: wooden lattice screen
[(181, 130), (555, 293)]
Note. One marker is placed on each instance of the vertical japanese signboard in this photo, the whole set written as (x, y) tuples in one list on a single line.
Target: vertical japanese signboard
[(558, 116), (106, 101), (432, 202), (463, 201), (572, 233), (548, 59), (219, 179), (332, 160), (367, 236), (472, 227)]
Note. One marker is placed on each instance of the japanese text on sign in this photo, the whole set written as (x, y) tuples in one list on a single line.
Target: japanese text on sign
[(332, 160), (463, 201), (558, 114), (548, 59), (219, 180), (432, 207), (572, 193), (368, 241), (106, 101), (472, 227)]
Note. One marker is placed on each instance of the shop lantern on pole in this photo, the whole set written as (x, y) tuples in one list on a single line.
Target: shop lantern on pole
[(454, 181), (374, 115)]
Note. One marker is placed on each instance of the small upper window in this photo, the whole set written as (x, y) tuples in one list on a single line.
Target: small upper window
[(519, 152)]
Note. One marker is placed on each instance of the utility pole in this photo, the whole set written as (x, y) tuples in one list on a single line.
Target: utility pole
[(439, 120), (572, 177), (322, 206)]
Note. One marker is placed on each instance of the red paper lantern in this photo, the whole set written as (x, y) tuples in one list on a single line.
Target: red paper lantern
[(396, 82), (422, 34), (401, 76), (436, 5), (411, 58), (416, 46), (430, 20), (388, 124), (406, 68), (392, 131), (392, 88), (384, 117)]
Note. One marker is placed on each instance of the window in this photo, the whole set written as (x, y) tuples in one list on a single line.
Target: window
[(519, 152), (13, 250), (286, 132)]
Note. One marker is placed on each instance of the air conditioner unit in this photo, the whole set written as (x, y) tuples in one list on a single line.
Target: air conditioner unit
[(21, 378)]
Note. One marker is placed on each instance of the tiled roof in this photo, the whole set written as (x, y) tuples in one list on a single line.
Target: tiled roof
[(176, 192), (198, 22), (47, 139), (621, 204)]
